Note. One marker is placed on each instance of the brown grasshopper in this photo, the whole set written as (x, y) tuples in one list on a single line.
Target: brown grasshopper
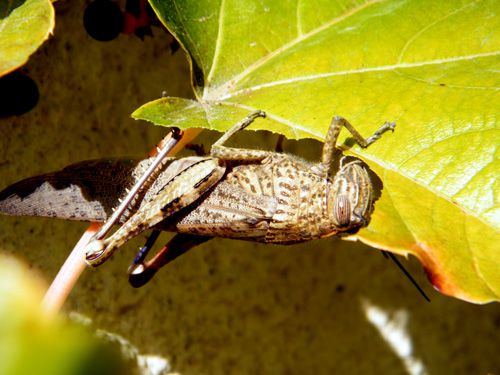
[(251, 195)]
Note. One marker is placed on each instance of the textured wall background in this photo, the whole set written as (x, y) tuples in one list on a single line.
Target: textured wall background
[(228, 306)]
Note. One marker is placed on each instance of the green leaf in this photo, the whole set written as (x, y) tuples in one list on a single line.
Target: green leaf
[(35, 343), (24, 26), (431, 66)]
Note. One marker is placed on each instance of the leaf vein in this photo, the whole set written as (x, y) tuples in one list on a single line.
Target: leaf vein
[(300, 31), (361, 71), (218, 43), (265, 59), (445, 139), (474, 260), (421, 31)]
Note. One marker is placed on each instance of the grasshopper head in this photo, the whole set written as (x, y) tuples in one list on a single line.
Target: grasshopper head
[(350, 198)]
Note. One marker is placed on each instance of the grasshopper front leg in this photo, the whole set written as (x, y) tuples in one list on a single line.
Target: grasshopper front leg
[(350, 193), (329, 147)]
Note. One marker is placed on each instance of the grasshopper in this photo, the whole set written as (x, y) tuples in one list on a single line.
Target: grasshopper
[(252, 195)]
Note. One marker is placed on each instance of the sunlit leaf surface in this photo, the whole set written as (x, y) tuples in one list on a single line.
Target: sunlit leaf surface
[(24, 25), (431, 66)]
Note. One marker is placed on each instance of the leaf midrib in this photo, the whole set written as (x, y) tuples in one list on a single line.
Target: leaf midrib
[(223, 91), (393, 67), (207, 94)]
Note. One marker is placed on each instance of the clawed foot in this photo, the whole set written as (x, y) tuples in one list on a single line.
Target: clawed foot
[(94, 252)]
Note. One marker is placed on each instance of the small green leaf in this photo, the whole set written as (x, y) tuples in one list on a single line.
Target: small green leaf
[(24, 26), (431, 66), (35, 343)]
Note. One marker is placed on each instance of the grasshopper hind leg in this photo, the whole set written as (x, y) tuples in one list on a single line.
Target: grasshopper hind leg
[(140, 271)]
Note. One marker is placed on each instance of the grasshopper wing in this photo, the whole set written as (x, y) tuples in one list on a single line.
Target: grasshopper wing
[(86, 191)]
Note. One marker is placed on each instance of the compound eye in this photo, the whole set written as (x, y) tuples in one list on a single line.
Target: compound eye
[(342, 210)]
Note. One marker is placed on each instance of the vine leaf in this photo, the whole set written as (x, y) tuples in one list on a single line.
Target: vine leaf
[(24, 26), (431, 66)]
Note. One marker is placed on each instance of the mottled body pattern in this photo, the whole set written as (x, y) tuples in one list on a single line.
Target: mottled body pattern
[(279, 200)]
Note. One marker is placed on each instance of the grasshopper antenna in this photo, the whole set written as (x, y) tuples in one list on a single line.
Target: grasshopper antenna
[(390, 255)]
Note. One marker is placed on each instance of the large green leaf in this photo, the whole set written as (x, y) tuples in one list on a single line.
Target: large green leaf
[(24, 25), (431, 66)]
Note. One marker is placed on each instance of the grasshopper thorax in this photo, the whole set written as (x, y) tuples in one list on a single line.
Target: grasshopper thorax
[(350, 199)]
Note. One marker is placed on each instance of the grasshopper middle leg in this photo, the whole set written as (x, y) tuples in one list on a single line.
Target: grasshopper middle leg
[(140, 272), (220, 151)]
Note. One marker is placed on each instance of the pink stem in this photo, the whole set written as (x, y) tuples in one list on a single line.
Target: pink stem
[(69, 274)]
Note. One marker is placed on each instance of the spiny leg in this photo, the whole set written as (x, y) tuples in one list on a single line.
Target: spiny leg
[(329, 148), (162, 149), (141, 272), (220, 151), (179, 192)]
